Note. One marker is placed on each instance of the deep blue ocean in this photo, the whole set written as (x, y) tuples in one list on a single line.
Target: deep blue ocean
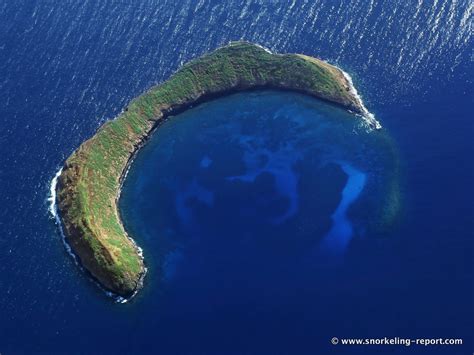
[(238, 262)]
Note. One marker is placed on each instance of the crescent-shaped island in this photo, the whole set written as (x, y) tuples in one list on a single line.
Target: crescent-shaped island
[(90, 182)]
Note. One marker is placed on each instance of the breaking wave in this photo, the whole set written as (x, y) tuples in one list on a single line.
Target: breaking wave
[(366, 114)]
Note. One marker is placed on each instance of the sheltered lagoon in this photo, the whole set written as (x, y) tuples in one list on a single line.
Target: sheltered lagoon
[(256, 182)]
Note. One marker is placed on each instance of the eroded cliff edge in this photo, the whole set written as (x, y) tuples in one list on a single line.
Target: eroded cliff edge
[(90, 182)]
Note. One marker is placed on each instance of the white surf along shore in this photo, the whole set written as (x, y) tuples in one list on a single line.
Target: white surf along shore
[(366, 114)]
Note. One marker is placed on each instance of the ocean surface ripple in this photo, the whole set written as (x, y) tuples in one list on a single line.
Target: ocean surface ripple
[(68, 66)]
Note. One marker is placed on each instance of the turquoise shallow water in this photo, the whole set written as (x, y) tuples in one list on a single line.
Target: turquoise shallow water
[(341, 231)]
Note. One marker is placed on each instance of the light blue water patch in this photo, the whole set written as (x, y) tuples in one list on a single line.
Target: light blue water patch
[(205, 162), (338, 238)]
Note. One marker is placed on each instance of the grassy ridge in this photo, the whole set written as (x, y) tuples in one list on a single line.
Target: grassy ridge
[(91, 179)]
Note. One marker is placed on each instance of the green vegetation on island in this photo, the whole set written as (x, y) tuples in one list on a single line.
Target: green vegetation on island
[(90, 182)]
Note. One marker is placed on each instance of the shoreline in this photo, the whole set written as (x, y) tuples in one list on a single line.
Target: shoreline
[(53, 210), (95, 172), (368, 116)]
